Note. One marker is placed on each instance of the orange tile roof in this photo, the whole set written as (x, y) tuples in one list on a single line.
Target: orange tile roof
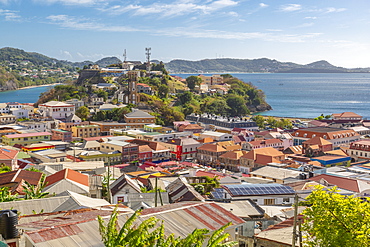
[(330, 133), (233, 147), (265, 142), (7, 154), (234, 155), (341, 182), (144, 148), (206, 140), (68, 174), (317, 140), (346, 115), (212, 148)]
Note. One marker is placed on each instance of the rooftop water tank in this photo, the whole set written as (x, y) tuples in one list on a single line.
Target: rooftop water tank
[(8, 222)]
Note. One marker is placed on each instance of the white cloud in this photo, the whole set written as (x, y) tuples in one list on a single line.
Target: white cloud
[(216, 34), (334, 10), (10, 15), (263, 5), (177, 8), (290, 7), (308, 24), (70, 2), (311, 17), (233, 14), (85, 24), (66, 54)]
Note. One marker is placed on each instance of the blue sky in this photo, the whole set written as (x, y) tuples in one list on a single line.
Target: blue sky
[(291, 31)]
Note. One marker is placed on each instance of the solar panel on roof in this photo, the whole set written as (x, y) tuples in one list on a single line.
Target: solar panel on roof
[(258, 189)]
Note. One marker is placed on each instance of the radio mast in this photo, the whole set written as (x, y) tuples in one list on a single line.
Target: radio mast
[(148, 53)]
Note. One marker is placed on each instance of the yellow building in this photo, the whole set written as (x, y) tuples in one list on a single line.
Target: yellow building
[(85, 131), (26, 139)]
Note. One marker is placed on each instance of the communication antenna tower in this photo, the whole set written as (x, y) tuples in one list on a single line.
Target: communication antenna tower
[(148, 53), (124, 56)]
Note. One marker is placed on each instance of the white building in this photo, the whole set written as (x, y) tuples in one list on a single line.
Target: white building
[(76, 102), (4, 108), (39, 126), (217, 136), (56, 109), (19, 112)]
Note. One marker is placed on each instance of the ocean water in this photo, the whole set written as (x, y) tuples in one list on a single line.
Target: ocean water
[(27, 95), (312, 94), (290, 95)]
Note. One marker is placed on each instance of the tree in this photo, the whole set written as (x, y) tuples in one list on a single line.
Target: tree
[(35, 191), (6, 195), (163, 91), (4, 168), (237, 105), (185, 97), (336, 220), (260, 121), (193, 81), (271, 121), (150, 235), (83, 112)]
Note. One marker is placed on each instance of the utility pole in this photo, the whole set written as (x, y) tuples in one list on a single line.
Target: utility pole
[(295, 220), (156, 191), (148, 53), (108, 186)]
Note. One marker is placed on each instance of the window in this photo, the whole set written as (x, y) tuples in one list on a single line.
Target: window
[(286, 199), (269, 201), (120, 199)]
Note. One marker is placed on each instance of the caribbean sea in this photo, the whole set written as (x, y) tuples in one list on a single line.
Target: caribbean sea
[(26, 95), (312, 94)]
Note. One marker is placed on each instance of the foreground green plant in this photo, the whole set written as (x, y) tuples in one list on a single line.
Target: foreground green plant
[(148, 234), (336, 220)]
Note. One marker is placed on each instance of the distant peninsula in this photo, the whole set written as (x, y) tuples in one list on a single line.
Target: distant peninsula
[(261, 65)]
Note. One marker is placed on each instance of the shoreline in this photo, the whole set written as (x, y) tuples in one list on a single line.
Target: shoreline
[(35, 86)]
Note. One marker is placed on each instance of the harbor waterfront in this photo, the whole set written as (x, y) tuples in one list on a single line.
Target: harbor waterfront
[(24, 95), (290, 95), (308, 95)]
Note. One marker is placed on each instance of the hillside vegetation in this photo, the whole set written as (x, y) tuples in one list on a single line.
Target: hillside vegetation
[(261, 65)]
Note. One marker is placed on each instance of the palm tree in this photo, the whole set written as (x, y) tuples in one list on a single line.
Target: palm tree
[(149, 235), (35, 191), (6, 195)]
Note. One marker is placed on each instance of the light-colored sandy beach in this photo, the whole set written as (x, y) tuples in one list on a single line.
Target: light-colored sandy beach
[(45, 85)]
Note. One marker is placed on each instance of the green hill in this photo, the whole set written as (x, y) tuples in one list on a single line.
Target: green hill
[(261, 65)]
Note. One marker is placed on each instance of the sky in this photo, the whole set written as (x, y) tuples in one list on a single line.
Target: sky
[(303, 32)]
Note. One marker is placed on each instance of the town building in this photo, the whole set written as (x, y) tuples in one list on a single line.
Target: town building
[(262, 194), (139, 118), (274, 143), (144, 88), (56, 109), (183, 148), (212, 80), (76, 102), (348, 116), (25, 139), (219, 121), (83, 131), (336, 136), (61, 135), (261, 157), (359, 150), (9, 158)]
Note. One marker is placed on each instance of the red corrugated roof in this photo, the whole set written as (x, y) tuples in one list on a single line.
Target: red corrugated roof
[(28, 135), (68, 174), (341, 182)]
